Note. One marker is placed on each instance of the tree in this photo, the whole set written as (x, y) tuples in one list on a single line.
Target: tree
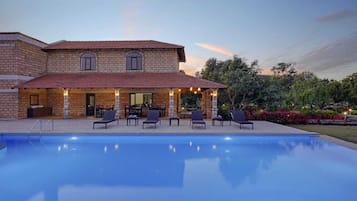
[(335, 91), (269, 97), (243, 84), (308, 90), (283, 78), (349, 88)]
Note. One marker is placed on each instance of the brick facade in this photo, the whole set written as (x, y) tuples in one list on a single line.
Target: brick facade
[(154, 60), (21, 59), (9, 105)]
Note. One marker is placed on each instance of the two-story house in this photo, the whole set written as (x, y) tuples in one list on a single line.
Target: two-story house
[(82, 78)]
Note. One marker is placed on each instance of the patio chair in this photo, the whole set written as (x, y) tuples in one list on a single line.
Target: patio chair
[(197, 118), (238, 116), (108, 117), (153, 117)]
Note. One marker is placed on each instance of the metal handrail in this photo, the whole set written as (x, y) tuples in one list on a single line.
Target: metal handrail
[(43, 125), (35, 124)]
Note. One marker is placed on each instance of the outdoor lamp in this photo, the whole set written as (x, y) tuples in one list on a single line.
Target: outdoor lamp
[(65, 92)]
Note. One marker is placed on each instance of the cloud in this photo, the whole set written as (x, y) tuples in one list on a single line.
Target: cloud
[(265, 70), (189, 70), (193, 64), (133, 25), (338, 15), (195, 60), (131, 18), (216, 48), (336, 58)]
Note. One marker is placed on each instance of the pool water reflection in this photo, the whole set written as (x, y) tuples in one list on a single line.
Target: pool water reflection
[(178, 167)]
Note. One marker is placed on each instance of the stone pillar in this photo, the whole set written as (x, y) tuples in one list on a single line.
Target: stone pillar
[(117, 103), (65, 103), (171, 102), (214, 102), (179, 109)]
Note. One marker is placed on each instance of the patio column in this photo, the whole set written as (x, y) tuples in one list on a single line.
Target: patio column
[(214, 102), (117, 103), (171, 102), (65, 103)]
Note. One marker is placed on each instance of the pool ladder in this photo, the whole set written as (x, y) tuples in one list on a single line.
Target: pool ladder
[(43, 125)]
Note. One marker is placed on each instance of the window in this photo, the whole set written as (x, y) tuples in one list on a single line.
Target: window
[(88, 62), (34, 100), (144, 99), (134, 61)]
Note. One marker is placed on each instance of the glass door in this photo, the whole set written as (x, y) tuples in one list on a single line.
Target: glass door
[(90, 104)]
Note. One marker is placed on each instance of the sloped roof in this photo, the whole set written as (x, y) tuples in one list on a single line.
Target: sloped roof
[(134, 44), (22, 37), (119, 80)]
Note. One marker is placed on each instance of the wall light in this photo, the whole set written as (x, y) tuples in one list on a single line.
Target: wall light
[(214, 93), (65, 92), (191, 88), (116, 92)]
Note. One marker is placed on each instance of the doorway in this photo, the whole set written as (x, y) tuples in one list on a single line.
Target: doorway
[(90, 104)]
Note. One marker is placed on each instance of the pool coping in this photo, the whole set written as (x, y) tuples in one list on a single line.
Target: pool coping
[(325, 138), (337, 141)]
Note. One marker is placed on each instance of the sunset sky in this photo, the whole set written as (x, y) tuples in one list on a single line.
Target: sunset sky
[(316, 35)]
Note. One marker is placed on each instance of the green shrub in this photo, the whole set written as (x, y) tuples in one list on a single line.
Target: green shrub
[(224, 111)]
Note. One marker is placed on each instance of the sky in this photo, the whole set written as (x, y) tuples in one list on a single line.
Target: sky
[(319, 36)]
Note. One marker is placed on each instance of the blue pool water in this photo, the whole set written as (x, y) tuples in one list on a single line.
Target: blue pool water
[(175, 168)]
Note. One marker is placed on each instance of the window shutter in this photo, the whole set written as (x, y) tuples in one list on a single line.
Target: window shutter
[(82, 63), (128, 62)]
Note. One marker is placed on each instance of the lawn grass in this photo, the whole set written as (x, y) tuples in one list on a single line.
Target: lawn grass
[(347, 133)]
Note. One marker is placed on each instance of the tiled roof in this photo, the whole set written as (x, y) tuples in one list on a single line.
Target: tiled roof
[(110, 44), (134, 44), (119, 80)]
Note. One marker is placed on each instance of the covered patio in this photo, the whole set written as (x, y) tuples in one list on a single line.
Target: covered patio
[(71, 95)]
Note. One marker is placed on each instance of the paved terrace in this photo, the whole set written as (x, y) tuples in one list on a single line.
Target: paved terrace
[(85, 126)]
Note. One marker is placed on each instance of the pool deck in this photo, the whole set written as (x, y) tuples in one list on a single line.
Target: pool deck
[(85, 126)]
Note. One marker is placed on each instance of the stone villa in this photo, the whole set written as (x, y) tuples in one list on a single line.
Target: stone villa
[(81, 78)]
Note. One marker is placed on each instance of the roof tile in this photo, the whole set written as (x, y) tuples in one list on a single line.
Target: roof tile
[(119, 80)]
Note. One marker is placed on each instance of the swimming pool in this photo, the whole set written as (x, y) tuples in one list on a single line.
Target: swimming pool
[(175, 168)]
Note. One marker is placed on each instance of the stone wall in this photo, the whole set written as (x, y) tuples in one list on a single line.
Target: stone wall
[(19, 61), (9, 105), (7, 57), (155, 60), (24, 100), (55, 100), (30, 60)]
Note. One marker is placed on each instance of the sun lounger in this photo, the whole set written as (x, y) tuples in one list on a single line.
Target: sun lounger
[(197, 118), (108, 117), (238, 116), (153, 118)]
